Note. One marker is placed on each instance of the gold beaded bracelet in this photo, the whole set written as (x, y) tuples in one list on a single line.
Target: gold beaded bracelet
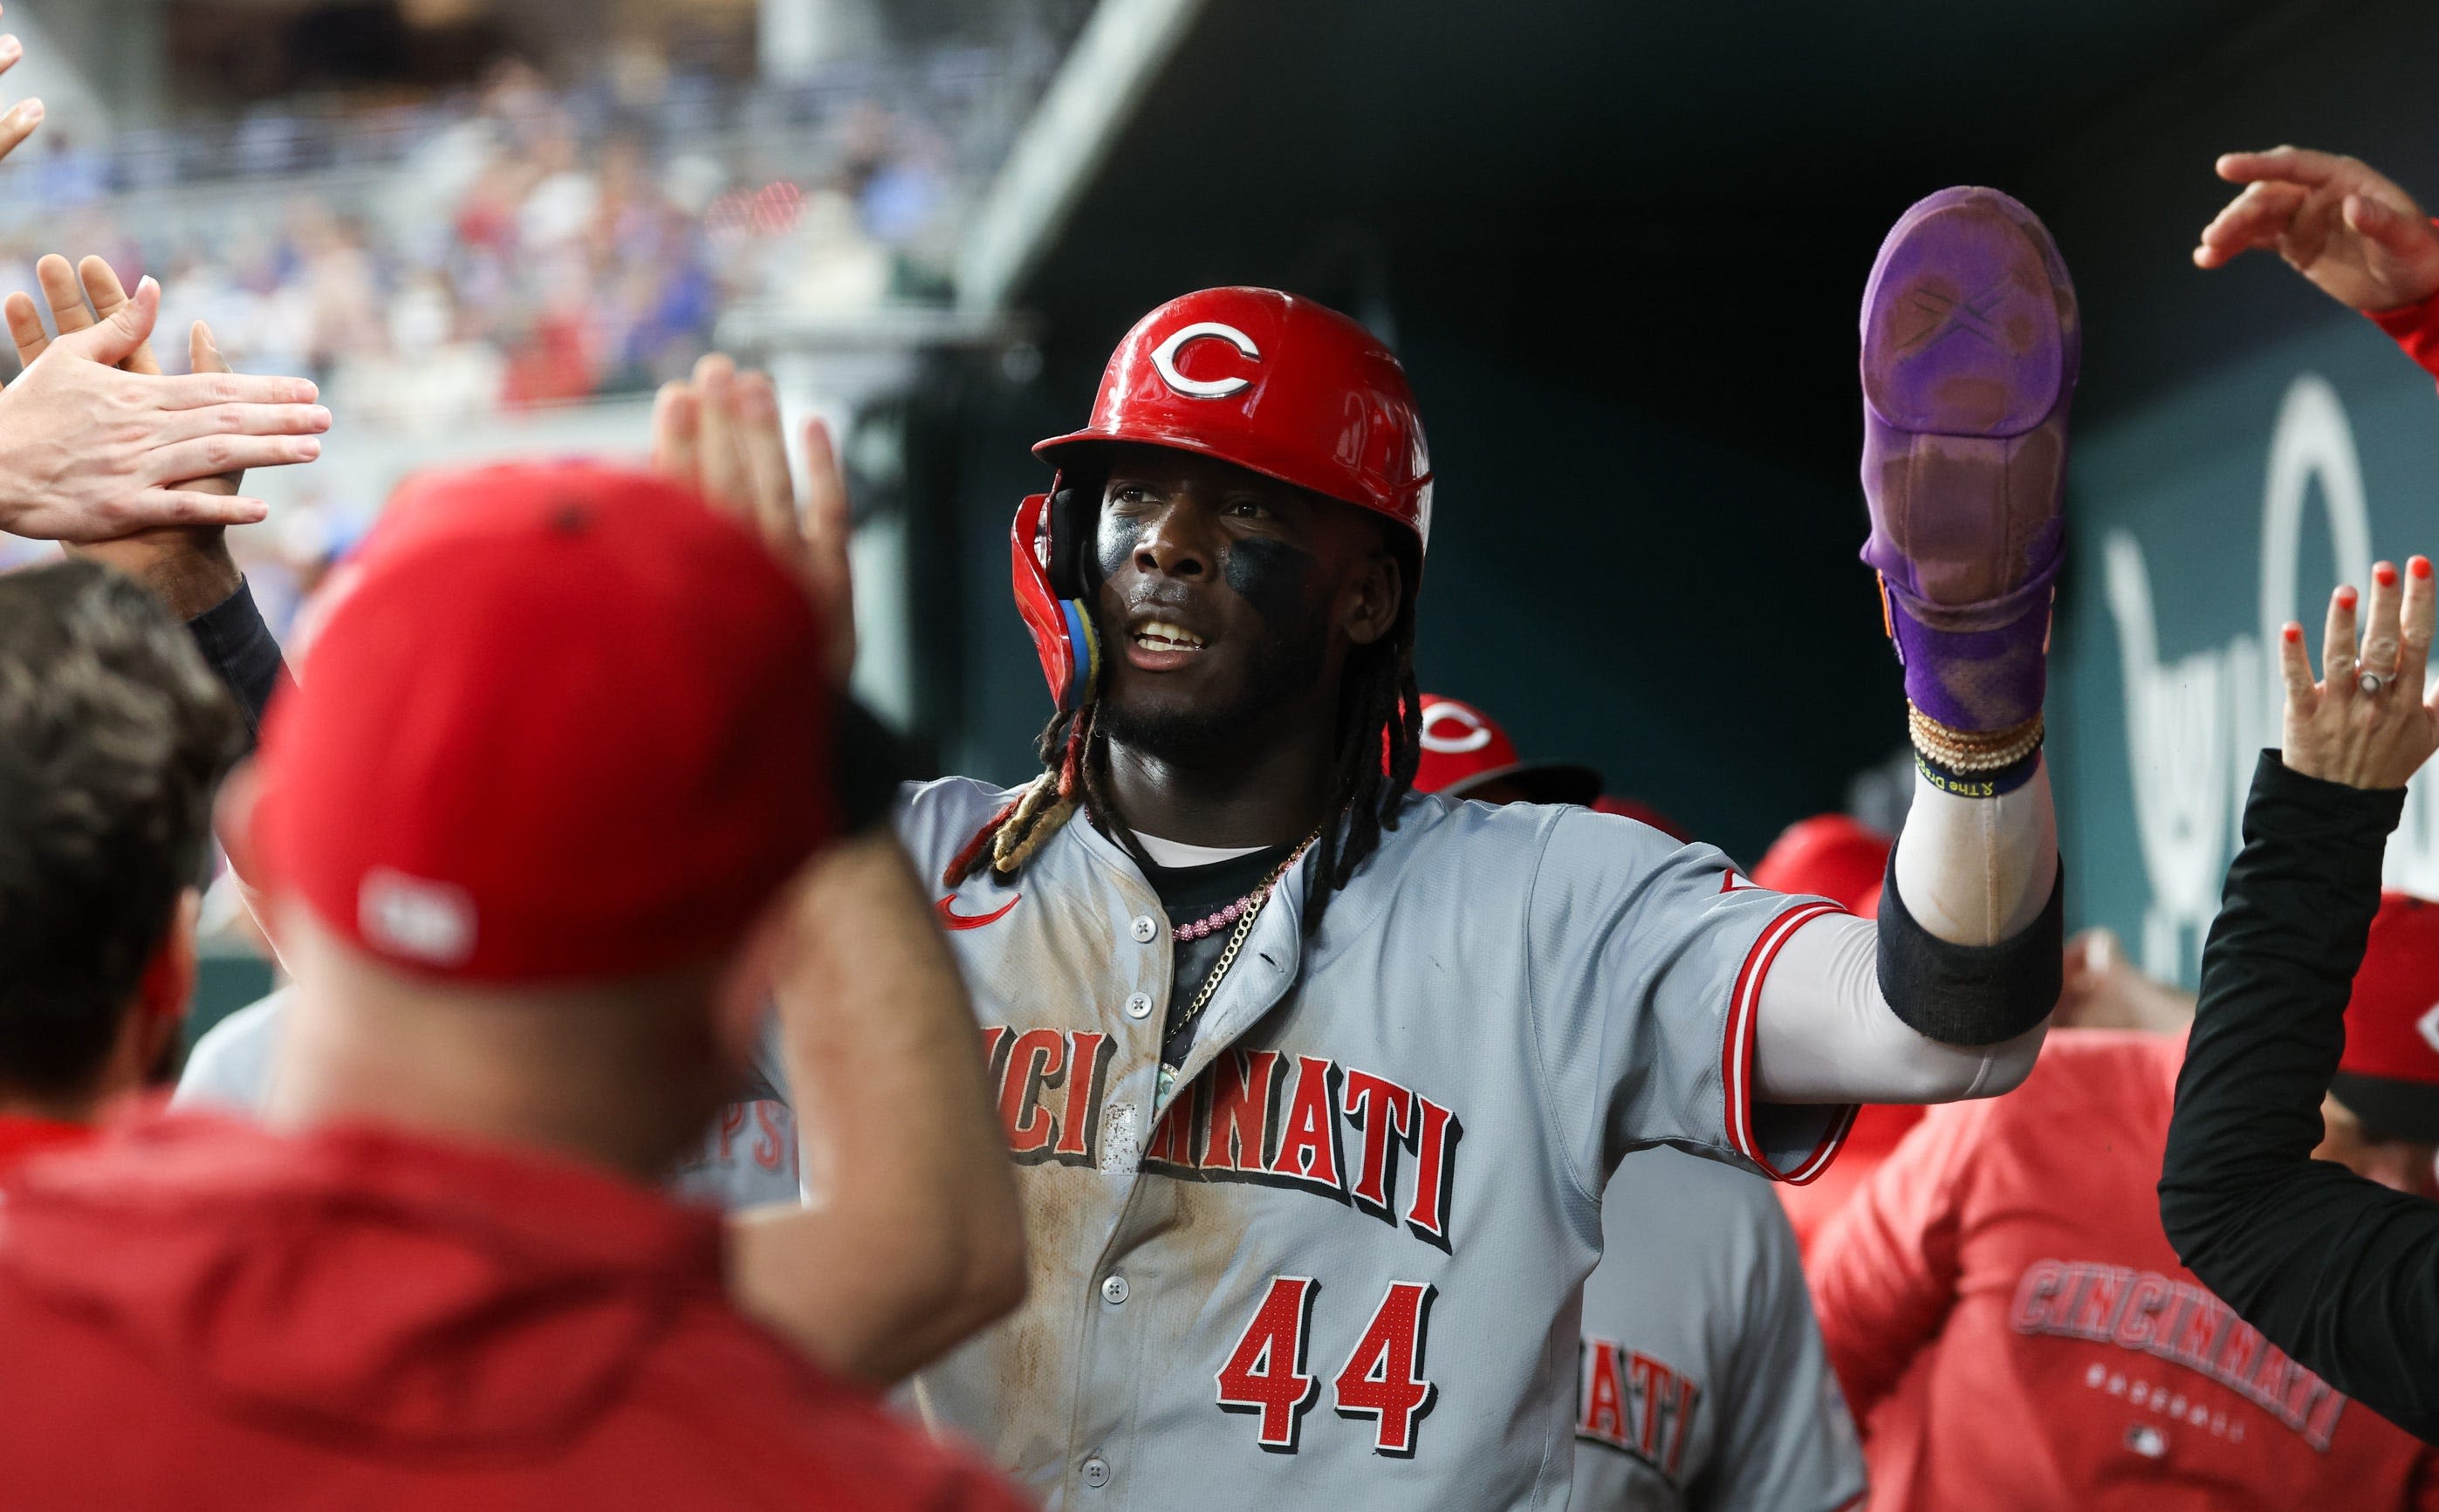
[(1965, 751)]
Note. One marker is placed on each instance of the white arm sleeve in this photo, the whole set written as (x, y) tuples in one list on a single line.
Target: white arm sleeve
[(1975, 871), (1972, 871), (1825, 1034)]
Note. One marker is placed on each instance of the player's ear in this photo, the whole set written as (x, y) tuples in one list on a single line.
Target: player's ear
[(1367, 606)]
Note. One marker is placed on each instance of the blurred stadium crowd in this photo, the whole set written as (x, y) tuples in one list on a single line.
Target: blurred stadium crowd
[(528, 245)]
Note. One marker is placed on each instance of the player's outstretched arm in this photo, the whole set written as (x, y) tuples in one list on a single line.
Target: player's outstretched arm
[(1971, 344), (911, 1236), (2351, 230)]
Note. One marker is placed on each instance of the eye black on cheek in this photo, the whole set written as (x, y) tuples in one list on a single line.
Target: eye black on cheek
[(1115, 542), (1270, 575)]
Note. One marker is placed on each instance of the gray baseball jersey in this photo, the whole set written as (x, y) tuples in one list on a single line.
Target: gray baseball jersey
[(1341, 1265), (748, 1158), (1703, 1385)]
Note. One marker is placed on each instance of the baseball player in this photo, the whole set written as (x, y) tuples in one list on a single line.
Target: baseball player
[(1702, 1383), (1313, 1084), (2016, 1332)]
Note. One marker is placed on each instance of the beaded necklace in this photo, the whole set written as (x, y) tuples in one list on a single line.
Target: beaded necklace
[(1244, 911)]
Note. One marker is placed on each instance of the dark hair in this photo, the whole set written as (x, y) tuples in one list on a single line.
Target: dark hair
[(1380, 739), (113, 736)]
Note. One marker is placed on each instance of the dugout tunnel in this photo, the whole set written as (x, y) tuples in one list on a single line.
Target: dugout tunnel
[(1621, 249)]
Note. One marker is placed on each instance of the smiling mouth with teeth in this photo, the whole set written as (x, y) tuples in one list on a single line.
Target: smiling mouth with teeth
[(1160, 635)]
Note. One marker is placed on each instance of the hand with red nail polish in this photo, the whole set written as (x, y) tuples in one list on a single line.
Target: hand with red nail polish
[(2366, 723)]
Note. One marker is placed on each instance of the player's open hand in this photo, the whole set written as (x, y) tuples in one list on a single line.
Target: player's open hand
[(2350, 230), (721, 435), (188, 565), (90, 452), (2367, 722), (19, 121)]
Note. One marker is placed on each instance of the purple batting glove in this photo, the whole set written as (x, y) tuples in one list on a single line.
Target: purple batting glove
[(1972, 342)]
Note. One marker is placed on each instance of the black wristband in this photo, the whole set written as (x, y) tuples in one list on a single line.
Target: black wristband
[(1991, 784), (242, 653), (872, 762), (1971, 995)]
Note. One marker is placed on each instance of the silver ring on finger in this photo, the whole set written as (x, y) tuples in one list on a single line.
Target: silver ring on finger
[(2374, 683)]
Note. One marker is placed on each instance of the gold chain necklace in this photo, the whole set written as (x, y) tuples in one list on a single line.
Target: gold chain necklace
[(1254, 905)]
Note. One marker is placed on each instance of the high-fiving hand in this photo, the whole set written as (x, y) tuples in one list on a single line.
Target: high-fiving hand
[(185, 561), (2350, 230), (19, 121), (89, 451), (2367, 722), (719, 434)]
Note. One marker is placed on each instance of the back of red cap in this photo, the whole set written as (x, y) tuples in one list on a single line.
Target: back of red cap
[(567, 723), (2389, 1076)]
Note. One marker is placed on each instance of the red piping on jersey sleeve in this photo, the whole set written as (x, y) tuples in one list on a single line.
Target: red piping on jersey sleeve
[(2416, 328), (1737, 1053)]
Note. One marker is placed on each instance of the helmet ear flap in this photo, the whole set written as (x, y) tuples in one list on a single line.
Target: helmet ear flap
[(1074, 512)]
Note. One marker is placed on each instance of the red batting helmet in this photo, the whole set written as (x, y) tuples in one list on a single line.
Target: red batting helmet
[(1272, 383), (1266, 380)]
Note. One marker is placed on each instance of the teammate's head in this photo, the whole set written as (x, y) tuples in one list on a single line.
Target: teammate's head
[(112, 735), (1465, 755), (1255, 493), (2382, 1115), (550, 759)]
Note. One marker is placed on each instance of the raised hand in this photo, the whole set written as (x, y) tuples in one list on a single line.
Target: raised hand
[(719, 434), (190, 566), (89, 451), (2350, 230), (19, 121), (2367, 722)]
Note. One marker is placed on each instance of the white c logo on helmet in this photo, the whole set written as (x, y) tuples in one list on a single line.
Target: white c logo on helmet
[(1164, 360), (1476, 733)]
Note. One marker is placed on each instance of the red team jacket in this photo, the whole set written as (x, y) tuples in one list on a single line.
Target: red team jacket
[(2013, 1330), (201, 1315)]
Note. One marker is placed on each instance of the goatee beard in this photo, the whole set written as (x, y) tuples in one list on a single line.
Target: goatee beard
[(1282, 671)]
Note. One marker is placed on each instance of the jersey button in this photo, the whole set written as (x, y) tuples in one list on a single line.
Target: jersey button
[(1139, 1005), (1114, 1290), (1146, 927), (1096, 1472)]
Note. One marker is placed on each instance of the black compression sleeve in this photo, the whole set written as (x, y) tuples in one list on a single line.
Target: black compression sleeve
[(243, 652), (1971, 995), (2339, 1271)]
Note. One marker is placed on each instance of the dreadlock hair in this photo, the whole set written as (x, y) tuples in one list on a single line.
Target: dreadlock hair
[(1379, 742)]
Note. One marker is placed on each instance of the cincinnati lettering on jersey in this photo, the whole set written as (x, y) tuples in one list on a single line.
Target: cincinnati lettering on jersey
[(2181, 1322), (1629, 1402), (1300, 1122)]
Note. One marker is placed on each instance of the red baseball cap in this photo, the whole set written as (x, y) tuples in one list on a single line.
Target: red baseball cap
[(568, 722), (1465, 749), (2389, 1076), (1828, 856)]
